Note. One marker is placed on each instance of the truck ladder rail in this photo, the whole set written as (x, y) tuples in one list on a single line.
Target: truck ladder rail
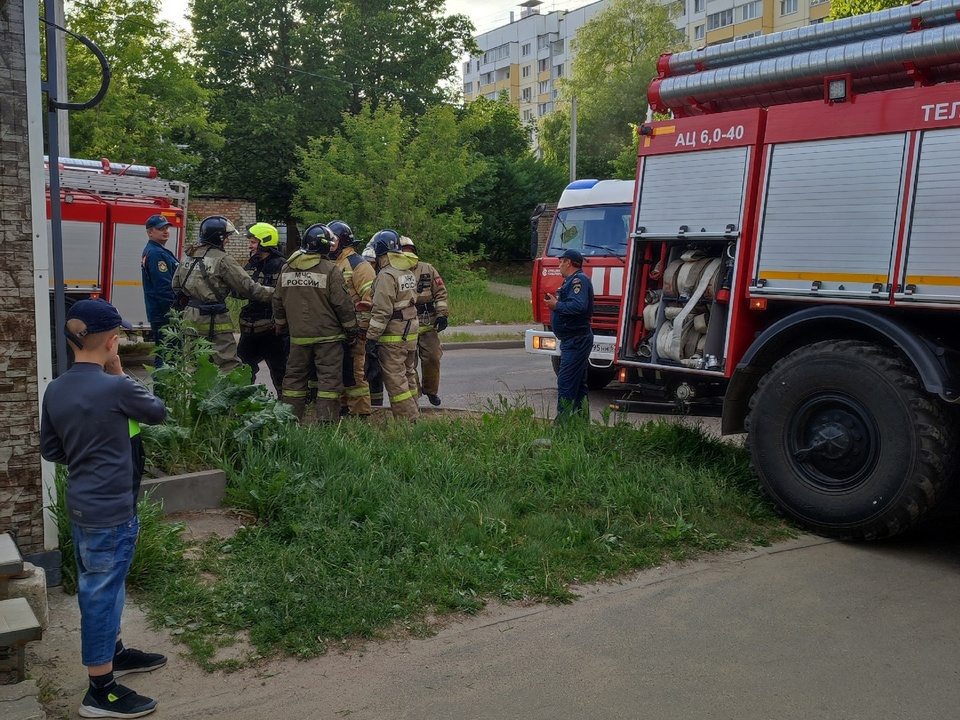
[(124, 185)]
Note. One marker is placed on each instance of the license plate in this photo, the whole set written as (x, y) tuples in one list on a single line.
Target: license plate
[(604, 346)]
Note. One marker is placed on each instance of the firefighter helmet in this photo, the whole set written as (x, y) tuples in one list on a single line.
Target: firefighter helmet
[(368, 254), (215, 229), (317, 239), (386, 241), (406, 244), (266, 233), (343, 232)]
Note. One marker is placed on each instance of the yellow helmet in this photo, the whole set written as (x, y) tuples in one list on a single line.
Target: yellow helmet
[(264, 232)]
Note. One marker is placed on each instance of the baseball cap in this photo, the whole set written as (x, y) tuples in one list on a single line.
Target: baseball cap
[(156, 221), (97, 316), (573, 256)]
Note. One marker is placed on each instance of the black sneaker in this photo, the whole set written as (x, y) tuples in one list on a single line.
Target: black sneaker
[(133, 661), (118, 702), (434, 399)]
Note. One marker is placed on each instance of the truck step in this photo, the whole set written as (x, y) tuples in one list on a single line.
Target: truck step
[(18, 626)]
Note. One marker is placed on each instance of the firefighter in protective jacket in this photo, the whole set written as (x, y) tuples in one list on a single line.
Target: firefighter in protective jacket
[(205, 277), (392, 335), (312, 304), (359, 275), (434, 316), (259, 341)]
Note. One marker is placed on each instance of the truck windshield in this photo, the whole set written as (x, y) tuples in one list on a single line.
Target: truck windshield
[(595, 231)]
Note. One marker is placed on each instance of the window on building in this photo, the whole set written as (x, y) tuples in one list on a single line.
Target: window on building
[(525, 94), (788, 7), (542, 65), (751, 10), (725, 17), (680, 8), (558, 71), (817, 21), (527, 115), (745, 36), (543, 42), (543, 87), (486, 78), (699, 6), (818, 2), (525, 71), (698, 32), (543, 109), (557, 48), (525, 49), (468, 87)]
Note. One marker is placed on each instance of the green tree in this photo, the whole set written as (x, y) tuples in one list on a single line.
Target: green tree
[(383, 169), (155, 112), (616, 55), (504, 195), (285, 71), (848, 8)]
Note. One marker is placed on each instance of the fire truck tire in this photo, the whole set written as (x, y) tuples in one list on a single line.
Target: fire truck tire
[(846, 443), (597, 378)]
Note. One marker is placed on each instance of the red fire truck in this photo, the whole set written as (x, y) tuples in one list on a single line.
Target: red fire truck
[(794, 264), (104, 207), (594, 218)]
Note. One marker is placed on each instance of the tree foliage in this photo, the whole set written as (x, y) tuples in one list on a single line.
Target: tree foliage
[(383, 169), (512, 183), (848, 8), (616, 55), (286, 70), (155, 112)]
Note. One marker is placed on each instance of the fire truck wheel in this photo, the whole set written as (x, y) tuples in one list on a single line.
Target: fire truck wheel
[(845, 441)]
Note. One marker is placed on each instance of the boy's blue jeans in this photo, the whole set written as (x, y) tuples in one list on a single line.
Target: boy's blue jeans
[(103, 558)]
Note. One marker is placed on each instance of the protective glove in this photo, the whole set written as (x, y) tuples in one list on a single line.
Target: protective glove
[(441, 323)]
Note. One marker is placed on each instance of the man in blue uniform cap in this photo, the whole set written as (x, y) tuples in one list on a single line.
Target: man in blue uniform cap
[(570, 312), (157, 265)]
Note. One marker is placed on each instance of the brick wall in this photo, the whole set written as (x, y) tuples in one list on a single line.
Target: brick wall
[(543, 227), (240, 211), (21, 494)]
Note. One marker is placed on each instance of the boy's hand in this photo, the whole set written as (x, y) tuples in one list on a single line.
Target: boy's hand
[(113, 366)]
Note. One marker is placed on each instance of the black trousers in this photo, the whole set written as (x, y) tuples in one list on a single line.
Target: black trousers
[(255, 348)]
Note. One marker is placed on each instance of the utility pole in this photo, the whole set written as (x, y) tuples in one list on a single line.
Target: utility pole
[(573, 138), (63, 118)]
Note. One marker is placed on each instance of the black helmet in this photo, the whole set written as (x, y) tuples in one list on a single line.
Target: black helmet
[(215, 229), (386, 241), (343, 232), (317, 239)]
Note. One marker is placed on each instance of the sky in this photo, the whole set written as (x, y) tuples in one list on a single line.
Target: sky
[(486, 14)]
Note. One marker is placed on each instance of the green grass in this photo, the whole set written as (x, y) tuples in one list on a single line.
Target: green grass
[(471, 303), (511, 272), (363, 530), (467, 336)]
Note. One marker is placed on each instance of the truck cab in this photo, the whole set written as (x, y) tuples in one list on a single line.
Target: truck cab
[(593, 216)]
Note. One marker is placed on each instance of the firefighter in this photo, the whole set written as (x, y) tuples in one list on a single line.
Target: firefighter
[(392, 335), (371, 365), (313, 304), (258, 338), (157, 266), (434, 316), (206, 277), (570, 312)]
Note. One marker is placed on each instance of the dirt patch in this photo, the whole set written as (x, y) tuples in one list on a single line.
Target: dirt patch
[(202, 524)]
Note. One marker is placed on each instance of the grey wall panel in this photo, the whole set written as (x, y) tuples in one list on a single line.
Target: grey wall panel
[(933, 248), (830, 214), (703, 190)]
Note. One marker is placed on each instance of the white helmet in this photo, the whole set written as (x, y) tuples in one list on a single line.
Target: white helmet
[(368, 254)]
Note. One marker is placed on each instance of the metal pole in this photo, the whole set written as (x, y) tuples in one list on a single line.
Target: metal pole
[(573, 139), (56, 228), (63, 123)]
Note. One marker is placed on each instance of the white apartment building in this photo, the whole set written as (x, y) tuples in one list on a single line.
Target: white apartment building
[(528, 55)]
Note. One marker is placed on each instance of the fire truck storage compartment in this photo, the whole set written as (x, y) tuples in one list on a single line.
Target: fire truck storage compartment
[(679, 322), (83, 222), (830, 216), (933, 264)]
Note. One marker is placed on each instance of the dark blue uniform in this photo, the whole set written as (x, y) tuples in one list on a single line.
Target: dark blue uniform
[(570, 321), (157, 266)]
